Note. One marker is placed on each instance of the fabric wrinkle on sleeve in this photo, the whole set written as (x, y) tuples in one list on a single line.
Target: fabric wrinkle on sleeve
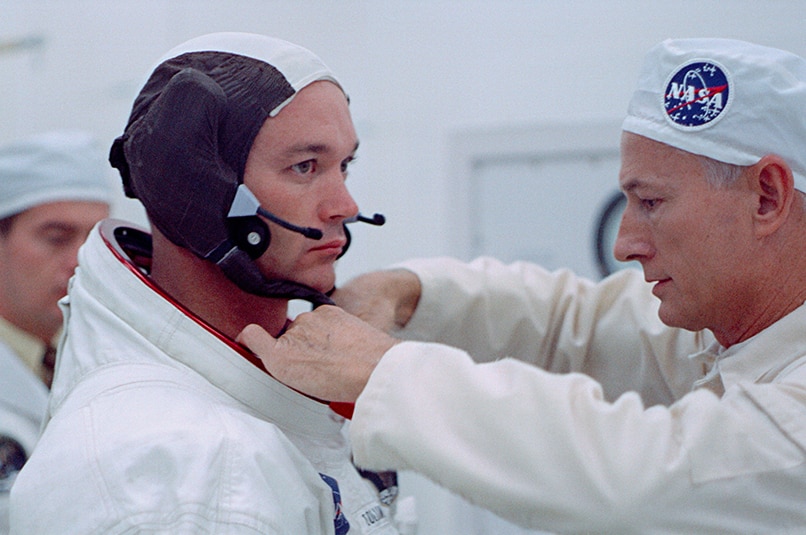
[(548, 451)]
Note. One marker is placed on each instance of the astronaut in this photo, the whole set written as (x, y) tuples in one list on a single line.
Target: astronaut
[(238, 146)]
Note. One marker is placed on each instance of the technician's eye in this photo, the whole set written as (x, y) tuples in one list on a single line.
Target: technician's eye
[(57, 239), (303, 168), (346, 163), (650, 204)]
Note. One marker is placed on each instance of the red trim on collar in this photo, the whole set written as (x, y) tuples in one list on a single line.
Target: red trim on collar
[(107, 230)]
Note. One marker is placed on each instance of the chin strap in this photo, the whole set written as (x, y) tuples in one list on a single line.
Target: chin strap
[(241, 269)]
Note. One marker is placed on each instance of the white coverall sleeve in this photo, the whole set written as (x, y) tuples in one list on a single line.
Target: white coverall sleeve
[(558, 321), (547, 451)]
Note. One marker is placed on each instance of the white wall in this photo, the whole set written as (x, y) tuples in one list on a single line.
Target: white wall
[(419, 73)]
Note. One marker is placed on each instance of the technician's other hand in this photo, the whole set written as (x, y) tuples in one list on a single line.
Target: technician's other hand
[(384, 299), (327, 353)]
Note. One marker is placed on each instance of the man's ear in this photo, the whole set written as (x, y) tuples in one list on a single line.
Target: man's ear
[(772, 182)]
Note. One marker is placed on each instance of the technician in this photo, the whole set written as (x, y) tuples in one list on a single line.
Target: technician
[(54, 187), (669, 403)]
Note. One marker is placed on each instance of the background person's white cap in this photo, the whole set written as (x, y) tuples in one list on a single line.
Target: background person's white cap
[(728, 100), (52, 167)]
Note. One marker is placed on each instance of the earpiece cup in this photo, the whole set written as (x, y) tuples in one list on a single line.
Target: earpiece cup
[(250, 234)]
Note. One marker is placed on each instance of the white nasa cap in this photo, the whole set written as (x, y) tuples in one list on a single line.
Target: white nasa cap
[(51, 167), (728, 100)]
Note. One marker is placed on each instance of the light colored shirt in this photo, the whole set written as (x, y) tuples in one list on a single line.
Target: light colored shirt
[(28, 348)]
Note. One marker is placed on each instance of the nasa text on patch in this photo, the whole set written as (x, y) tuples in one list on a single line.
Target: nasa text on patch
[(697, 95)]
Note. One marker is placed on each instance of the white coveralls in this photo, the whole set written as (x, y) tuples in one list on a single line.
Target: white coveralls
[(567, 453), (23, 401), (158, 425)]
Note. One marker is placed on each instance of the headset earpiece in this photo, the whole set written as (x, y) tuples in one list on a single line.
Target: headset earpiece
[(250, 234)]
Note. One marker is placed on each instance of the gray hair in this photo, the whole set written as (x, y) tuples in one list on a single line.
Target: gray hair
[(720, 174), (723, 175)]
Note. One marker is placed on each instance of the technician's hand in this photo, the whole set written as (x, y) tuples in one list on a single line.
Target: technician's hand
[(384, 299), (327, 353)]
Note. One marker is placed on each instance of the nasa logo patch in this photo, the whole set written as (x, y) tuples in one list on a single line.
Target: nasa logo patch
[(697, 95), (340, 523)]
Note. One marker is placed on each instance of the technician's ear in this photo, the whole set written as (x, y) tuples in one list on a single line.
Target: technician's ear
[(773, 183)]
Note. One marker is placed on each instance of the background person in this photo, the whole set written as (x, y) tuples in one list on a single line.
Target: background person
[(674, 405), (53, 188), (159, 421)]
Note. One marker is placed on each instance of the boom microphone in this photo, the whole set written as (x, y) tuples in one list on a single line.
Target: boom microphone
[(314, 233), (246, 204), (376, 219), (308, 232)]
